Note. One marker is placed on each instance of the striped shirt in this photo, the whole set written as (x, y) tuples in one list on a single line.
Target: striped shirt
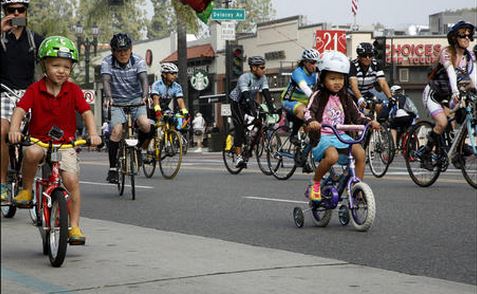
[(366, 79), (125, 83)]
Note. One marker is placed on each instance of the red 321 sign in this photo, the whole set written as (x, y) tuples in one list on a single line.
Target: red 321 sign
[(330, 40)]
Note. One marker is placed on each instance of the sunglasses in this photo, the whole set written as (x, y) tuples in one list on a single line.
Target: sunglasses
[(464, 36), (11, 10), (261, 67), (312, 62), (367, 56)]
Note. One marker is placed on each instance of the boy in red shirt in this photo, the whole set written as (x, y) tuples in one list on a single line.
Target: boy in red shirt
[(53, 101)]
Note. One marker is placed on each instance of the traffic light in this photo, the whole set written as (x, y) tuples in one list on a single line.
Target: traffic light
[(380, 47), (197, 5), (234, 63)]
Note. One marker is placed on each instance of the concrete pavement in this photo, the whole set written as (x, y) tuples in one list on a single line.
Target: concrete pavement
[(120, 258)]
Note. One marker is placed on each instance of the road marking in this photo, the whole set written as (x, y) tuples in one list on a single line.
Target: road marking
[(108, 184), (275, 199), (31, 282)]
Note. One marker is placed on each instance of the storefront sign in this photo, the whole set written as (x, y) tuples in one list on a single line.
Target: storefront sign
[(412, 54), (275, 55), (330, 40), (199, 81)]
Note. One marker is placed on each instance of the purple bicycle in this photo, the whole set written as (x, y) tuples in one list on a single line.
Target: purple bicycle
[(357, 204)]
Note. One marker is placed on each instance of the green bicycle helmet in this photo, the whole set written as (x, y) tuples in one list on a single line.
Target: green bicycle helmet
[(58, 46)]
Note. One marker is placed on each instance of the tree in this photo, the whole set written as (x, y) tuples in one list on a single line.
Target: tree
[(257, 11), (161, 24)]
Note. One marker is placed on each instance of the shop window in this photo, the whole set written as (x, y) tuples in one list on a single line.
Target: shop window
[(404, 75)]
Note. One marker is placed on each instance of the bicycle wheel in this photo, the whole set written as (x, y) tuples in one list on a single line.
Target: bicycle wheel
[(380, 151), (416, 141), (132, 155), (363, 210), (58, 235), (149, 165), (8, 209), (261, 151), (281, 154), (467, 156), (170, 154), (228, 154), (321, 216), (122, 168)]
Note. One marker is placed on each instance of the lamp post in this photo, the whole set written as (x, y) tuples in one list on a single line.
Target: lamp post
[(86, 43)]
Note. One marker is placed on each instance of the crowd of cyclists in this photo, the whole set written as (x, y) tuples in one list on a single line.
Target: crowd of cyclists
[(324, 88)]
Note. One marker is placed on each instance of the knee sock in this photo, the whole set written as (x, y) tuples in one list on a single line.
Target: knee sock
[(113, 153), (297, 123), (432, 138)]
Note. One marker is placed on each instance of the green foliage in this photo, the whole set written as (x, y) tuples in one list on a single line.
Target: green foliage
[(257, 11), (60, 17)]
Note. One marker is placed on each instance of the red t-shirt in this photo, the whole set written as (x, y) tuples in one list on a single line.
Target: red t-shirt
[(48, 111)]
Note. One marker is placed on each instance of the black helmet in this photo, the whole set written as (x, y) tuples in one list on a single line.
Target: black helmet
[(452, 34), (256, 60), (475, 50), (365, 49), (120, 41)]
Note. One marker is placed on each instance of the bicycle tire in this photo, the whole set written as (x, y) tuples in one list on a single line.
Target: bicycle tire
[(261, 151), (122, 168), (228, 154), (132, 170), (58, 223), (380, 151), (281, 155), (363, 200), (417, 138), (171, 152), (13, 180), (467, 157), (149, 167)]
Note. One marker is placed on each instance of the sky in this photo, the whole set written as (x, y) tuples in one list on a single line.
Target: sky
[(391, 13)]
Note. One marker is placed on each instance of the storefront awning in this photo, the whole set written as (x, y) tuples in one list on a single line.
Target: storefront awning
[(196, 52)]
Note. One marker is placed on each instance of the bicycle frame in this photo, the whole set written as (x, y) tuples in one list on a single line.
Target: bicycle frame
[(350, 177)]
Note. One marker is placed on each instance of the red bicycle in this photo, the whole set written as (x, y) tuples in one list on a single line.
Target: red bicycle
[(50, 201)]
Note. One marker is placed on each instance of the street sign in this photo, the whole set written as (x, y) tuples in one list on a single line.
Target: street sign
[(225, 110), (228, 30), (228, 14), (89, 96)]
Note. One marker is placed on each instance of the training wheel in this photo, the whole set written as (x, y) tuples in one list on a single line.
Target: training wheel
[(343, 215), (298, 217)]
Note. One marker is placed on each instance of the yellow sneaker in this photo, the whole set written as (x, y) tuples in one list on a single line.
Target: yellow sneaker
[(23, 199), (76, 236), (314, 193)]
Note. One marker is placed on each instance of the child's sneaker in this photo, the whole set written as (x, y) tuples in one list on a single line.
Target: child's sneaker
[(24, 199), (313, 192), (76, 236)]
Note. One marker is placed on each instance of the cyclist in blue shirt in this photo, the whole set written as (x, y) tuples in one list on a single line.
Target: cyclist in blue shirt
[(243, 101), (124, 76), (300, 88), (167, 93)]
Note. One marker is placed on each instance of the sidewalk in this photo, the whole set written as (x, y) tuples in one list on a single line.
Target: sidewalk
[(121, 258)]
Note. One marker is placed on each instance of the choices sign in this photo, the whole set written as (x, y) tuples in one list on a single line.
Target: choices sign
[(413, 54), (330, 40)]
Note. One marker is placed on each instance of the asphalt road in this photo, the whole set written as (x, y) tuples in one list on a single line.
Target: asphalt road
[(419, 231)]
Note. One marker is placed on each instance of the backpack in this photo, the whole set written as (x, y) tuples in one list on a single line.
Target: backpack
[(31, 41), (439, 79)]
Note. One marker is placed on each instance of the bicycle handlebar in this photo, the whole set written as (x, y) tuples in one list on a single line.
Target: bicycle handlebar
[(73, 144), (337, 128)]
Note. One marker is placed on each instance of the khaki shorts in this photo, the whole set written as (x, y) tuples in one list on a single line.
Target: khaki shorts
[(69, 159)]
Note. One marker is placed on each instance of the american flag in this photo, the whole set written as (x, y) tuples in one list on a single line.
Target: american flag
[(354, 6)]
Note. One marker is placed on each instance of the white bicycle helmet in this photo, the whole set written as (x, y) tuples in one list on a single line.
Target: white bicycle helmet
[(169, 67), (310, 55), (8, 2), (334, 61), (396, 90)]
